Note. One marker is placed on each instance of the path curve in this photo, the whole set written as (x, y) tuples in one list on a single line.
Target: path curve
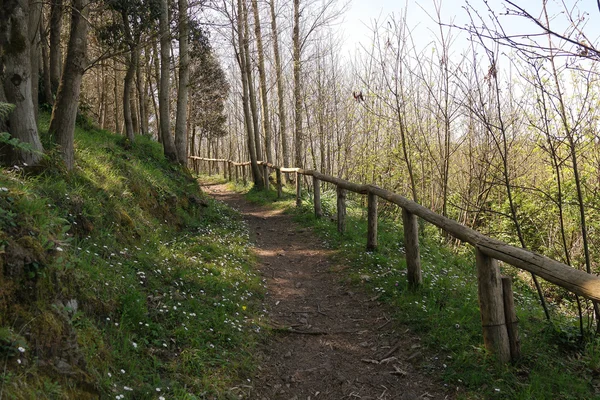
[(339, 335)]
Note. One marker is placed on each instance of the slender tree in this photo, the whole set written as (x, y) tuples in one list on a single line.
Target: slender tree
[(181, 134), (64, 112), (165, 78)]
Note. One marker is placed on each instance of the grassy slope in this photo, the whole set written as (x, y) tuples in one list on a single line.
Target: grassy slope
[(121, 280), (445, 312)]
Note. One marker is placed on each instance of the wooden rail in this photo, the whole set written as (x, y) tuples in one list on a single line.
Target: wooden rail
[(495, 292)]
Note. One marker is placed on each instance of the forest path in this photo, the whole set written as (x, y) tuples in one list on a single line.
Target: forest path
[(338, 334)]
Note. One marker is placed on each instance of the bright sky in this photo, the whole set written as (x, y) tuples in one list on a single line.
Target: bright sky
[(362, 13)]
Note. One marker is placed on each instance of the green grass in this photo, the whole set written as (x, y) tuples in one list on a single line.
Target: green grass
[(444, 312), (121, 278)]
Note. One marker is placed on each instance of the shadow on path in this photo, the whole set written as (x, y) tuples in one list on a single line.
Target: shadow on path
[(331, 341)]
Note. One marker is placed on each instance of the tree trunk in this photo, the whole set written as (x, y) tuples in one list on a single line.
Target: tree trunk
[(163, 92), (35, 15), (297, 88), (129, 76), (56, 11), (263, 82), (184, 77), (242, 58), (280, 93), (15, 63), (48, 99), (64, 113), (142, 97), (251, 93)]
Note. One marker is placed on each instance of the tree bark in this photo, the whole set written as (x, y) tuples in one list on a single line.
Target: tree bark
[(16, 81), (48, 99), (251, 93), (298, 135), (142, 97), (64, 113), (163, 92), (35, 15), (280, 93), (181, 132), (129, 76), (256, 174), (263, 82), (56, 11)]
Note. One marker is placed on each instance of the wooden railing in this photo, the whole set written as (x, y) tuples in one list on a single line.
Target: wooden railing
[(496, 303)]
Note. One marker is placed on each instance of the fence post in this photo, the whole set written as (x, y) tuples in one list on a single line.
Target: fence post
[(229, 172), (266, 175), (237, 173), (511, 319), (317, 197), (210, 167), (245, 181), (491, 306), (225, 169), (298, 190), (341, 210), (411, 248), (278, 176), (372, 221)]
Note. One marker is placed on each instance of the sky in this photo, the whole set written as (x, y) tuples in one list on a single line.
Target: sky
[(362, 13)]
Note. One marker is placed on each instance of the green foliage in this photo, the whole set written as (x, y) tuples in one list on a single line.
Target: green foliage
[(5, 110), (120, 281), (444, 312)]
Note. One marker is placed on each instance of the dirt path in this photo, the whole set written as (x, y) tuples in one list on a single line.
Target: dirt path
[(339, 335)]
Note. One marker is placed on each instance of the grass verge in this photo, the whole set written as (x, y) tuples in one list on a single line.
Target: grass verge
[(556, 364), (121, 279)]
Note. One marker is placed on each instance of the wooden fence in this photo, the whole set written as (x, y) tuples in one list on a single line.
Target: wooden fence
[(496, 303)]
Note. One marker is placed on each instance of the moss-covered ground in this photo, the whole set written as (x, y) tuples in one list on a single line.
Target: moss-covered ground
[(121, 279)]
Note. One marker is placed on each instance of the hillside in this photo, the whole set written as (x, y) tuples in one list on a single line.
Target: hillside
[(120, 279)]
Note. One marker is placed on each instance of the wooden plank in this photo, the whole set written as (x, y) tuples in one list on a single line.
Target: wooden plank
[(317, 197), (341, 210), (371, 221), (491, 306), (298, 190), (510, 316), (411, 249), (576, 281), (289, 169)]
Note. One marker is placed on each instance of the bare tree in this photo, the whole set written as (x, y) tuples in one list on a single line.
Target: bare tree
[(64, 112)]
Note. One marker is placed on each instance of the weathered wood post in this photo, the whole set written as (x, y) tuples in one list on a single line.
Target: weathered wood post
[(266, 175), (411, 248), (245, 180), (317, 197), (341, 210), (210, 167), (237, 173), (491, 306), (278, 175), (229, 168), (372, 221), (224, 169), (511, 319), (298, 190)]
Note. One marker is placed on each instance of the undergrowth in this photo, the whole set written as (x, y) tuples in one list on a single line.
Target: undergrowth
[(121, 279), (556, 362)]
